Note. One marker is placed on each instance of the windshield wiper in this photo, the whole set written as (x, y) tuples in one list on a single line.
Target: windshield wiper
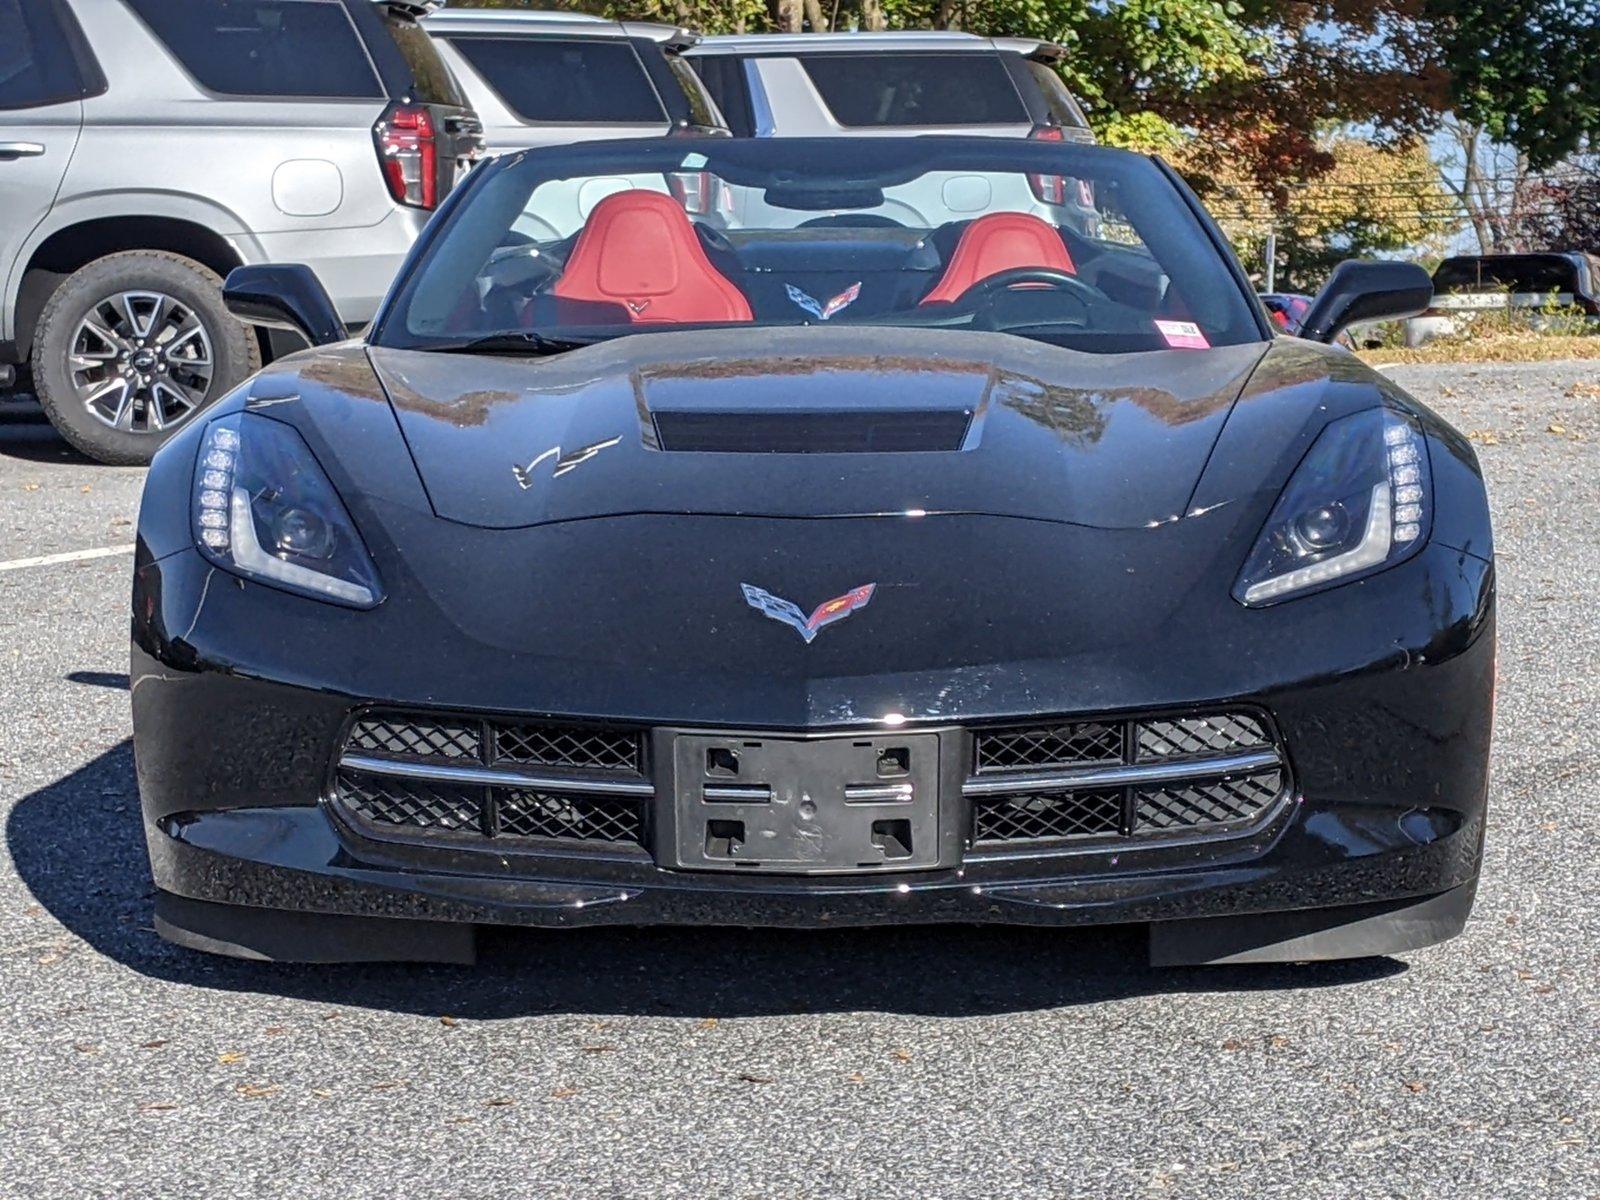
[(524, 341)]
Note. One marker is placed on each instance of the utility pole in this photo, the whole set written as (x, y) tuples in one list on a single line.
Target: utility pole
[(1270, 272)]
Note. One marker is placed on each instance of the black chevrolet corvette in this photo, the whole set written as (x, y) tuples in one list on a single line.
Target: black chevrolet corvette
[(816, 533)]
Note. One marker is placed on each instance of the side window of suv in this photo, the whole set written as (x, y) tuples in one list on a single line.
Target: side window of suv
[(38, 59), (702, 109), (568, 81), (916, 89), (265, 47), (1063, 106), (724, 78)]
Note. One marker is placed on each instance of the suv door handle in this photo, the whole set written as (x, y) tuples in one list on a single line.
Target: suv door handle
[(20, 149)]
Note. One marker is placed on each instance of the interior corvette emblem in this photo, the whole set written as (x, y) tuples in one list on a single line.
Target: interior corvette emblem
[(823, 615), (823, 311)]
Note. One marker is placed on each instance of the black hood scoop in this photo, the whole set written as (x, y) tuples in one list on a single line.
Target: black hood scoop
[(820, 431)]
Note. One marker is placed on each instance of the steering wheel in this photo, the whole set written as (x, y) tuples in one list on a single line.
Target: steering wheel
[(985, 291), (520, 265)]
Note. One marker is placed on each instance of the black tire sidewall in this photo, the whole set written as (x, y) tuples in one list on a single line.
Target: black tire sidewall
[(233, 345)]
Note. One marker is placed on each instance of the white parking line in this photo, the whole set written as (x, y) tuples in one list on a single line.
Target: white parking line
[(50, 560)]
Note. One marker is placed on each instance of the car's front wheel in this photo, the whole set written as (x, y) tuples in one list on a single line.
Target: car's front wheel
[(131, 347)]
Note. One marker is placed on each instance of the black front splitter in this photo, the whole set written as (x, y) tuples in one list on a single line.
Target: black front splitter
[(288, 890)]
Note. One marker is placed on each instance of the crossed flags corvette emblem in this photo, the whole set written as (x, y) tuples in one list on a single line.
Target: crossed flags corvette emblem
[(816, 307), (825, 614)]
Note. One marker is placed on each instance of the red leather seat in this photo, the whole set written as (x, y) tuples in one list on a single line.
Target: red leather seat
[(1000, 242), (638, 251)]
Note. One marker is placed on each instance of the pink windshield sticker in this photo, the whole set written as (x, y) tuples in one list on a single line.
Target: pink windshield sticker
[(1183, 335)]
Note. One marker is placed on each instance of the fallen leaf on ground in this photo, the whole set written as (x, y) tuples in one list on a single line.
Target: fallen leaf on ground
[(902, 1055), (856, 1077), (230, 1056), (708, 1022), (748, 1078), (254, 1091), (448, 1022), (275, 1030), (498, 1102), (597, 1049), (1554, 428), (157, 1106), (153, 1043), (1415, 1086)]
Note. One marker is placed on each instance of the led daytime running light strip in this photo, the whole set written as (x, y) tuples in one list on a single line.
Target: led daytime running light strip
[(214, 484)]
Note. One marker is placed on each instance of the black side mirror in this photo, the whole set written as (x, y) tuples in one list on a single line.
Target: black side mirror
[(284, 296), (1366, 291)]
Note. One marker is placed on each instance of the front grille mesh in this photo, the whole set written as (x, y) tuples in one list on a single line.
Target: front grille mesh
[(1209, 802), (1063, 815), (1220, 733), (417, 738), (566, 746), (413, 804), (1205, 804), (585, 818), (497, 812), (525, 743), (1087, 742), (491, 810)]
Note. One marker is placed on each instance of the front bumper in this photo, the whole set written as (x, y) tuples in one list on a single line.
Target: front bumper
[(236, 736)]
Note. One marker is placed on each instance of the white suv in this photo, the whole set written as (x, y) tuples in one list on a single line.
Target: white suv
[(889, 84), (148, 147), (550, 79)]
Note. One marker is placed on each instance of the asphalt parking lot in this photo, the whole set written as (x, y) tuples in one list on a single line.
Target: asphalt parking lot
[(898, 1063)]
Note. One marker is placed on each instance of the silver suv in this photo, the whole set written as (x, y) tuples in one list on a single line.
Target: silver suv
[(544, 78), (148, 147), (891, 84)]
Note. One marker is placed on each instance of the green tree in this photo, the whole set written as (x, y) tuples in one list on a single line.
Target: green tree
[(1373, 200), (1528, 71)]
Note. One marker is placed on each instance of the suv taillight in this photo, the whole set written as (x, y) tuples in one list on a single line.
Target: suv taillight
[(409, 155), (1049, 189), (700, 192)]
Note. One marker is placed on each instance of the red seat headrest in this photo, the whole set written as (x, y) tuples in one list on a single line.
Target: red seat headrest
[(638, 251), (999, 242)]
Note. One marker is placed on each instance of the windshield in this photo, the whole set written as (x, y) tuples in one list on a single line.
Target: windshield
[(1080, 246)]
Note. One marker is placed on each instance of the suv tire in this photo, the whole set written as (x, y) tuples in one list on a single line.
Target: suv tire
[(130, 347)]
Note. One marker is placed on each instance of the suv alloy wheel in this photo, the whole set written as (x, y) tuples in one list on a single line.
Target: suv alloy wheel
[(130, 347)]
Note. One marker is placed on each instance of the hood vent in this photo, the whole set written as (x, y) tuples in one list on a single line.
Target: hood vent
[(825, 432)]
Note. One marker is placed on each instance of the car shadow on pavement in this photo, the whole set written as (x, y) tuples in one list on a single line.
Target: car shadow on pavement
[(26, 433), (78, 846)]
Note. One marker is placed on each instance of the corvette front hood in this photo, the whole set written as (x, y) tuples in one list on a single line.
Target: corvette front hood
[(815, 423)]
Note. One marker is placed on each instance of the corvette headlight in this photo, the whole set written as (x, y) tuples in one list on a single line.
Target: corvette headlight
[(1359, 501), (264, 509)]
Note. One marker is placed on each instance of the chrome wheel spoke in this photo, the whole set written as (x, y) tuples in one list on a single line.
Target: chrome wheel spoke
[(112, 341), (115, 416), (141, 323), (86, 360)]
